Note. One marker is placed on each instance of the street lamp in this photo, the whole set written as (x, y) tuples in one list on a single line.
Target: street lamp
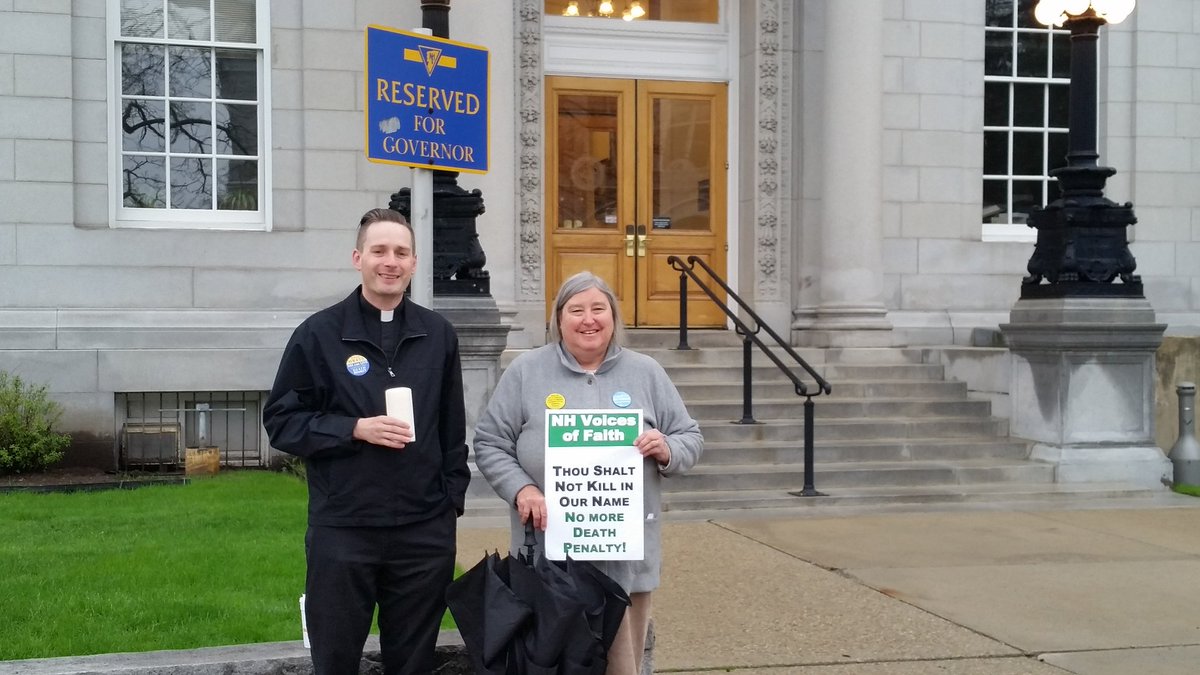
[(1081, 242)]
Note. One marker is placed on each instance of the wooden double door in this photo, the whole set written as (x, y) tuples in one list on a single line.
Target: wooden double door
[(636, 172)]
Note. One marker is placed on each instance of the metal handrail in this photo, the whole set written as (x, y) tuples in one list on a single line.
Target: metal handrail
[(685, 269)]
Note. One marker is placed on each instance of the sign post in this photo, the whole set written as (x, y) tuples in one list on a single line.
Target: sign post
[(426, 108)]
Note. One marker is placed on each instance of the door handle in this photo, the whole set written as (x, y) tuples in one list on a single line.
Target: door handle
[(641, 241), (629, 241)]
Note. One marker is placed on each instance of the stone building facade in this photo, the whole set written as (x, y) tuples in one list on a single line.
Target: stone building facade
[(866, 182)]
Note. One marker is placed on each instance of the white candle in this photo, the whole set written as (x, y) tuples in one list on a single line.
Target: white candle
[(399, 405)]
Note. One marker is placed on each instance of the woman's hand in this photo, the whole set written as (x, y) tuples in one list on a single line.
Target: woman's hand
[(653, 443), (531, 503)]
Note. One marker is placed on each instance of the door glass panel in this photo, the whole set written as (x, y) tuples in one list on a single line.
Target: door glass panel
[(587, 161), (695, 11), (681, 165)]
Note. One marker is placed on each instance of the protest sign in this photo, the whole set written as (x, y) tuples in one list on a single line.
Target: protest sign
[(593, 485)]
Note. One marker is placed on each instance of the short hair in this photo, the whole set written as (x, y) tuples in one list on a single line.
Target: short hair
[(579, 283), (380, 216)]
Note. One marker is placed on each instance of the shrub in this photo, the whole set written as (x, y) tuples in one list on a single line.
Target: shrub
[(294, 466), (27, 417)]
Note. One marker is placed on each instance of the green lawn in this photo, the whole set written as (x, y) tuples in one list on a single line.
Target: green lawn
[(1193, 490), (216, 562)]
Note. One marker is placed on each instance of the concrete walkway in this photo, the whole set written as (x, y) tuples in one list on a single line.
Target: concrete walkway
[(1001, 591), (1091, 592)]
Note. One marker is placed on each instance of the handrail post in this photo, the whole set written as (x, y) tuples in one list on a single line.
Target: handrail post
[(809, 490), (747, 382), (683, 317)]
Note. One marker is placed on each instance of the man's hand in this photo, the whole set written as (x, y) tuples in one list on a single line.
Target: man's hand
[(383, 430), (531, 503)]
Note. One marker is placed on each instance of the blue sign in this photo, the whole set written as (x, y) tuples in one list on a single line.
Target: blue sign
[(426, 101)]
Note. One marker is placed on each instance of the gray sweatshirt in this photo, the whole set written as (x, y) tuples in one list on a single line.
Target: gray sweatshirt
[(510, 436)]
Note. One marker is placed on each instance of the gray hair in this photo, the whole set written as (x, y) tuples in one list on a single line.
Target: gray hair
[(579, 283)]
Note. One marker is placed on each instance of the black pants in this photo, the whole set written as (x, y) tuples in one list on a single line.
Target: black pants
[(404, 569)]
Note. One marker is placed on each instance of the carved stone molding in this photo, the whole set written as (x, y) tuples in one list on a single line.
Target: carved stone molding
[(529, 148), (772, 89)]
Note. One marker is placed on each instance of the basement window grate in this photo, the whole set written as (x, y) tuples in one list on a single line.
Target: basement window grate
[(155, 429)]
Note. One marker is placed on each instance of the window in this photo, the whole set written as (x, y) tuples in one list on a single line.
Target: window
[(699, 11), (188, 128), (1026, 87)]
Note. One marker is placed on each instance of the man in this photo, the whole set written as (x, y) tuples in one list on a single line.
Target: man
[(381, 505)]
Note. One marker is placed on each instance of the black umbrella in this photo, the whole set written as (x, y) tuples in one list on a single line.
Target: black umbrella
[(532, 616)]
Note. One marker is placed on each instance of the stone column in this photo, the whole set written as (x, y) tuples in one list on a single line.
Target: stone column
[(1083, 387), (481, 339), (851, 310)]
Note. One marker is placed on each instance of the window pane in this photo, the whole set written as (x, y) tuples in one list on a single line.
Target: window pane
[(191, 127), (237, 74), (1035, 106), (235, 20), (1027, 194), (995, 104), (143, 125), (142, 18), (1032, 56), (696, 11), (681, 166), (191, 109), (995, 153), (1060, 104), (237, 185), (995, 201), (188, 20), (237, 129), (1058, 151), (191, 72), (1025, 14), (999, 13), (142, 69), (1027, 154), (588, 138), (1028, 105), (1062, 54), (144, 180), (191, 183), (997, 53)]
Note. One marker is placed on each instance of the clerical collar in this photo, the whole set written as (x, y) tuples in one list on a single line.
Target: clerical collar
[(384, 315)]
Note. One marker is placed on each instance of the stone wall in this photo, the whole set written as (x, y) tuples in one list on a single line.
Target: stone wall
[(1178, 361)]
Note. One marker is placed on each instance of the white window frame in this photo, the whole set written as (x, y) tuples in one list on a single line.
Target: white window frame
[(1011, 231), (121, 216)]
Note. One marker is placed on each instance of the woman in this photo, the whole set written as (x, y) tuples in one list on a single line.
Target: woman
[(586, 365)]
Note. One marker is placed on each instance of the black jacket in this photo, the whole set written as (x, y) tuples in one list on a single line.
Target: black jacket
[(334, 372)]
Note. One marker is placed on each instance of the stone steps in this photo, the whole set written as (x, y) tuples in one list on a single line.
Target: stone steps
[(718, 503), (893, 430), (927, 449), (909, 428), (778, 387), (856, 474), (829, 408)]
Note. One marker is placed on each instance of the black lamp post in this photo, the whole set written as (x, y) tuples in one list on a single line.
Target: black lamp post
[(1081, 242), (458, 256), (435, 15)]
